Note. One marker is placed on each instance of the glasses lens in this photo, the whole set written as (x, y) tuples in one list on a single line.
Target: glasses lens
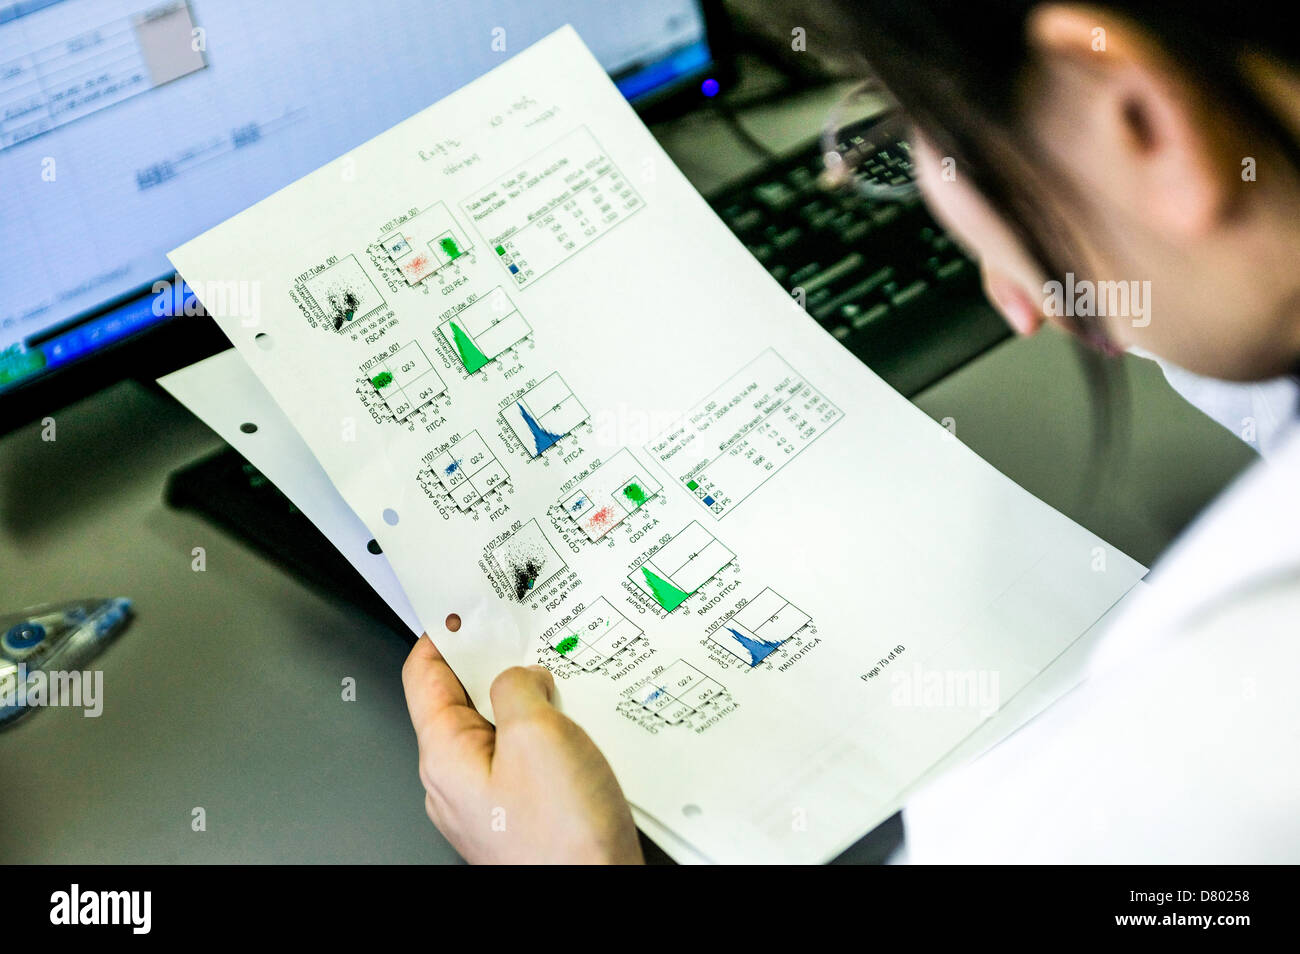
[(865, 148)]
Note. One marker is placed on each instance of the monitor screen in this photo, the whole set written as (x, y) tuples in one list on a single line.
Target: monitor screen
[(129, 126)]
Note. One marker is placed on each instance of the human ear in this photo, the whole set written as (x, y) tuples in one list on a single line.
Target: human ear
[(1153, 143)]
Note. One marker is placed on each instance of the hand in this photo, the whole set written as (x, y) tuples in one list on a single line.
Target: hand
[(534, 789)]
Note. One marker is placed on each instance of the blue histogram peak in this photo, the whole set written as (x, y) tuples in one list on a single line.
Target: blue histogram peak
[(542, 438), (758, 649)]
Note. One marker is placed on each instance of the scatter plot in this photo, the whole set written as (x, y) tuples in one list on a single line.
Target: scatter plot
[(596, 635), (613, 491), (340, 295), (419, 245), (467, 471), (406, 380), (527, 561), (679, 694)]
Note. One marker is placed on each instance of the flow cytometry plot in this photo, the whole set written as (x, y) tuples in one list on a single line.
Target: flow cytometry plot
[(484, 329), (341, 294), (425, 243), (544, 414), (468, 471), (616, 489), (759, 629), (681, 566), (678, 692), (527, 560), (596, 635), (407, 381)]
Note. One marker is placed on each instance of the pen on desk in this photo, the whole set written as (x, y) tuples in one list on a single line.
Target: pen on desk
[(53, 639)]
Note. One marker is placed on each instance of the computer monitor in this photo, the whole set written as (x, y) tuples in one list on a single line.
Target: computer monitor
[(127, 128)]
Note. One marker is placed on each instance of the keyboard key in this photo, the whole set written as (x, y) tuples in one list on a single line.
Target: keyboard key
[(855, 294), (951, 269), (913, 291), (805, 273), (865, 317), (845, 266), (787, 237), (818, 214), (776, 195), (745, 221), (801, 179)]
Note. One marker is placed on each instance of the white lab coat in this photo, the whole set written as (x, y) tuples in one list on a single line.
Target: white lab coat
[(1258, 412), (1182, 744)]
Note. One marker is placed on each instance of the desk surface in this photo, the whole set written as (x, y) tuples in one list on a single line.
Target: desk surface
[(225, 693)]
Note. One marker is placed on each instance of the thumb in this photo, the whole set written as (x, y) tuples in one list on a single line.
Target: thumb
[(521, 693)]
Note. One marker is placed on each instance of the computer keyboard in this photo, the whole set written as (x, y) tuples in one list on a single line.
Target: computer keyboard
[(882, 277)]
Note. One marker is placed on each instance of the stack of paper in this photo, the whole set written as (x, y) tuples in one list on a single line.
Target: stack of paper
[(574, 410)]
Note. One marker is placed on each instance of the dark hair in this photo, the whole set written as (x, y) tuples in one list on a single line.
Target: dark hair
[(961, 70)]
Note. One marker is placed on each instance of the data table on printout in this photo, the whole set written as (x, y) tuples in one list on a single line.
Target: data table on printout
[(563, 199)]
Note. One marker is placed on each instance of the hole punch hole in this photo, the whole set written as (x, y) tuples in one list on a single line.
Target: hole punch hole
[(453, 622), (263, 340), (248, 427), (692, 811), (374, 547), (390, 516)]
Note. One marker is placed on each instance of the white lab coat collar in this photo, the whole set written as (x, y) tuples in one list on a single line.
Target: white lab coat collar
[(1258, 412), (1249, 535)]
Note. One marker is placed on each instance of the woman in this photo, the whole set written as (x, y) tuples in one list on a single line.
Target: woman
[(1149, 141)]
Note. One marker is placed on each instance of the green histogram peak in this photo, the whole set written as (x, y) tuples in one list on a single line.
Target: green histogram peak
[(470, 356), (666, 595)]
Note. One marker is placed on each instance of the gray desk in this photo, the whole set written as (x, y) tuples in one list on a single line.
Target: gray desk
[(225, 692)]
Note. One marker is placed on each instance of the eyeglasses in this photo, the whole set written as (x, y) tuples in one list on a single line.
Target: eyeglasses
[(865, 149)]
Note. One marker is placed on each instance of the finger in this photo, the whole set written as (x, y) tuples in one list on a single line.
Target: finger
[(451, 733), (430, 684), (521, 693)]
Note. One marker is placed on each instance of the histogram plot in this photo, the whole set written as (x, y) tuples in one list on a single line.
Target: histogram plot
[(527, 561), (681, 566), (596, 635), (614, 490), (678, 692), (340, 294), (407, 381), (420, 244), (484, 329), (468, 471), (544, 414), (760, 627)]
